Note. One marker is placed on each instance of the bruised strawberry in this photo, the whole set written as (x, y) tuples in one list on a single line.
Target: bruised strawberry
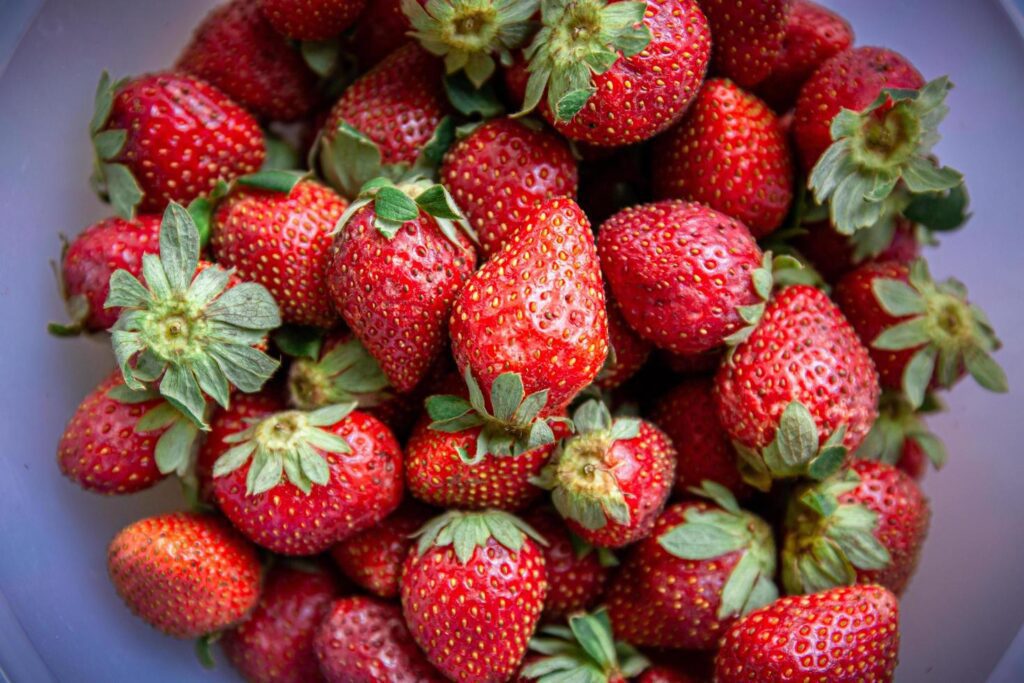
[(311, 19), (627, 351), (748, 37)]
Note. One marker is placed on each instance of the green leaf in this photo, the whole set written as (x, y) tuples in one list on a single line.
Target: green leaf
[(905, 335), (233, 458), (103, 104), (280, 156), (572, 102), (941, 211), (179, 386), (898, 298), (591, 417), (126, 291), (268, 473), (279, 181), (314, 466), (392, 204), (923, 175), (247, 368), (123, 394), (506, 395), (173, 450), (985, 371), (469, 100), (212, 380), (179, 247), (625, 428), (696, 540), (595, 637), (321, 55), (918, 375), (826, 464), (328, 416), (530, 407), (797, 436), (437, 146), (437, 202), (327, 441), (349, 159), (299, 341), (122, 189), (207, 285), (246, 305), (933, 448), (156, 418), (109, 143), (739, 585)]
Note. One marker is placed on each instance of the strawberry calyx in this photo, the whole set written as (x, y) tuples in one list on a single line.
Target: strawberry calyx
[(467, 531), (345, 373), (898, 422), (763, 281), (112, 180), (585, 650), (713, 533), (76, 305)]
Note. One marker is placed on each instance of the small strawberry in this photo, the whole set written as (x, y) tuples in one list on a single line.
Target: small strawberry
[(615, 73), (236, 49), (627, 351), (705, 564), (340, 370), (382, 28), (275, 644), (845, 635), (900, 437), (501, 171), (149, 559), (729, 153), (748, 37), (834, 254), (586, 650), (472, 593), (364, 640), (311, 19)]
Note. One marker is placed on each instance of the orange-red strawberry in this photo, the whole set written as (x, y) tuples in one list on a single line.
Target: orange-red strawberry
[(627, 350), (586, 650), (186, 574), (472, 593), (311, 19), (729, 153), (845, 635), (236, 49), (748, 37)]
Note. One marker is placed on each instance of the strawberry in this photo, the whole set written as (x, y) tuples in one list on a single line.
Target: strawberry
[(340, 370), (275, 644), (311, 19), (472, 593), (276, 230), (615, 73), (586, 650), (665, 674), (705, 564), (799, 392), (381, 29), (298, 483), (682, 274), (920, 333), (397, 265), (88, 262), (627, 351), (901, 438), (184, 573), (845, 635), (834, 254), (236, 49), (729, 153), (611, 480), (168, 137), (364, 640), (501, 171), (748, 37)]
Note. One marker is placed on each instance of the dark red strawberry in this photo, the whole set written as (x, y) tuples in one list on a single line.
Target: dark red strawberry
[(585, 651), (382, 28), (748, 37), (627, 351), (664, 674), (311, 19), (687, 364), (834, 254), (611, 183)]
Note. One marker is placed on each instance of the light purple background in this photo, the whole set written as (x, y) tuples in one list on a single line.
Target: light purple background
[(59, 617)]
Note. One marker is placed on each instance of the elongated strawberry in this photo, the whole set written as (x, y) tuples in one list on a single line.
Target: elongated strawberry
[(747, 37), (147, 560), (729, 153), (706, 564), (845, 635), (585, 650), (615, 73), (492, 573), (627, 351), (311, 19), (900, 437)]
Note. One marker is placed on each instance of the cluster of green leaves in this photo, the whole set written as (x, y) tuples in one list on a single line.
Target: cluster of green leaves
[(585, 651), (467, 531), (112, 180), (898, 422)]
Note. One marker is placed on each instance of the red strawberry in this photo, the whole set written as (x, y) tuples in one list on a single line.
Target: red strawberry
[(585, 651), (185, 574), (382, 28), (665, 674), (236, 49), (681, 273), (343, 469), (729, 153), (799, 392), (748, 37), (913, 459), (704, 565), (845, 635), (834, 254), (275, 644), (501, 171), (472, 593), (311, 19), (627, 351), (168, 137), (363, 640)]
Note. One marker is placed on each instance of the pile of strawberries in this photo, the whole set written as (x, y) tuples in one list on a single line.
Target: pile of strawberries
[(574, 340)]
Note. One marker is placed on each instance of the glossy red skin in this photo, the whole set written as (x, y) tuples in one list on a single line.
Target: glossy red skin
[(282, 241), (850, 80), (236, 49), (397, 294), (184, 135), (186, 574), (100, 449), (537, 308), (845, 635), (832, 254), (474, 621), (631, 350), (382, 28), (659, 600), (364, 640), (703, 450), (275, 644), (311, 19), (913, 460), (93, 256), (501, 171), (748, 37), (664, 674), (398, 104), (365, 486), (678, 270), (813, 34), (728, 152), (803, 350)]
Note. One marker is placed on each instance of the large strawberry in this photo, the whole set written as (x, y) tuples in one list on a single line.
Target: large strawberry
[(311, 19), (147, 561), (627, 351), (615, 73), (730, 154), (472, 593), (586, 650), (845, 635), (748, 37), (900, 437), (705, 564), (168, 137)]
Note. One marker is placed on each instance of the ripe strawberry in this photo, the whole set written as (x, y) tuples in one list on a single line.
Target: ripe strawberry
[(364, 640), (343, 469), (381, 29), (682, 274), (834, 254), (236, 49), (149, 561), (627, 351), (275, 644), (665, 674), (705, 565), (501, 171), (616, 73), (472, 593), (168, 137), (311, 19), (585, 651), (748, 37), (799, 392), (729, 153), (845, 635)]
